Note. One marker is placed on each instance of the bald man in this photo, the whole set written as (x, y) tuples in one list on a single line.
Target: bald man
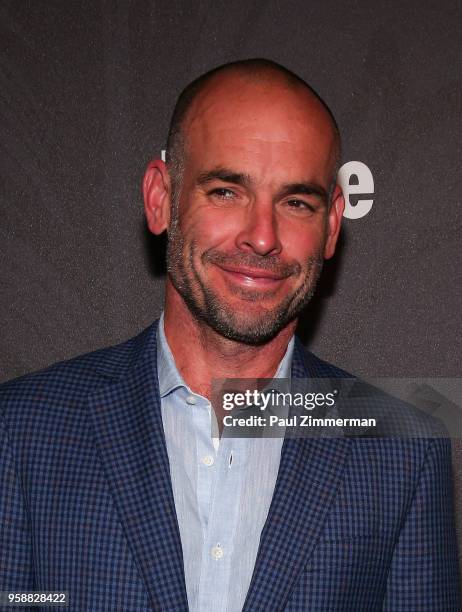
[(114, 488)]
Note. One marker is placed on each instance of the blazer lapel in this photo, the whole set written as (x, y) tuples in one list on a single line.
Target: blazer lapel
[(309, 474), (129, 434)]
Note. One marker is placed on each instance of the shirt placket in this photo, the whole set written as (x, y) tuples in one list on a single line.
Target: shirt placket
[(218, 550), (205, 460)]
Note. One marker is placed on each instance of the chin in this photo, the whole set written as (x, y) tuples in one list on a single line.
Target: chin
[(248, 330)]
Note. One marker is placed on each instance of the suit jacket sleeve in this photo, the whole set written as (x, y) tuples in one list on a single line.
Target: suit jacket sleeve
[(16, 558), (424, 570)]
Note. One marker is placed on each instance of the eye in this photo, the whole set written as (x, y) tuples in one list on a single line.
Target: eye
[(223, 193), (300, 205)]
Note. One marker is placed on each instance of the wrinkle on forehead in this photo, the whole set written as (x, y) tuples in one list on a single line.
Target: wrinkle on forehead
[(248, 138)]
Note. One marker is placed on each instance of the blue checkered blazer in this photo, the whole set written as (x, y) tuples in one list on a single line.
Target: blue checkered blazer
[(86, 505)]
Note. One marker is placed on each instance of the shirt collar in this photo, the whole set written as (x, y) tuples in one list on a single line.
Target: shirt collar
[(170, 378)]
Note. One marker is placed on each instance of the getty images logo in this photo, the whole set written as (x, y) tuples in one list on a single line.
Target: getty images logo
[(356, 180)]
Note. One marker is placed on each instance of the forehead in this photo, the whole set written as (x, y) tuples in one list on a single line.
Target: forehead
[(239, 121)]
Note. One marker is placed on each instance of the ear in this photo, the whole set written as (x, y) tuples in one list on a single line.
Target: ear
[(156, 193), (334, 221)]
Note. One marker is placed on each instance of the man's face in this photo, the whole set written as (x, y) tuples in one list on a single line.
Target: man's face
[(248, 234)]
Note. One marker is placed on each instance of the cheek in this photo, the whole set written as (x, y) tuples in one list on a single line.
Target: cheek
[(302, 241), (209, 228)]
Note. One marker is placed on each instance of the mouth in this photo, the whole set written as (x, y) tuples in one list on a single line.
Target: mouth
[(252, 278)]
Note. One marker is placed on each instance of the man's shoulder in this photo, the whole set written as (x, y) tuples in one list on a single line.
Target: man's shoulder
[(361, 399), (73, 378)]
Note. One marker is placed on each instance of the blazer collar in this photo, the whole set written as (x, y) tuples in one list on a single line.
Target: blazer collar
[(309, 475), (128, 430)]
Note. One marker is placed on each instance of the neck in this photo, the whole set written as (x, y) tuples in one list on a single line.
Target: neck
[(201, 354)]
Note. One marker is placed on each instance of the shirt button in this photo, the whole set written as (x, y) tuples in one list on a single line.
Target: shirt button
[(191, 400), (208, 460), (217, 552)]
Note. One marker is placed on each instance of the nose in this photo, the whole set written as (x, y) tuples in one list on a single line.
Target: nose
[(259, 233)]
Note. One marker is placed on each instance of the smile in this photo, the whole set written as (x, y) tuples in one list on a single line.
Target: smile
[(252, 278)]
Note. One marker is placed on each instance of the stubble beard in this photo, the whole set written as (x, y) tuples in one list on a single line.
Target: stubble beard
[(209, 307)]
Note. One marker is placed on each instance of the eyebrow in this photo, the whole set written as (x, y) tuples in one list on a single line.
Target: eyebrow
[(226, 175), (239, 178)]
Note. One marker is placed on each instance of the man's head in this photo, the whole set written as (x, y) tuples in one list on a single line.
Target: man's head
[(248, 197)]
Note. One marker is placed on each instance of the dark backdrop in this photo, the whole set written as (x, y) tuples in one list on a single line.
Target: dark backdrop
[(86, 92)]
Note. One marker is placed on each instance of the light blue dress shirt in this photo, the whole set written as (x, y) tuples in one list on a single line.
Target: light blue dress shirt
[(222, 489)]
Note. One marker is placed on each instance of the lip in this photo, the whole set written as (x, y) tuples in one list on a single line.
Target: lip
[(252, 277)]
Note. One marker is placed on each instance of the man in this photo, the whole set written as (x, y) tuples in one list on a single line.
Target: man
[(113, 488)]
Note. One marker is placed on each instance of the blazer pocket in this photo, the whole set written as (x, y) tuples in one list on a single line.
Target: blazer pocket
[(369, 552), (367, 534)]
